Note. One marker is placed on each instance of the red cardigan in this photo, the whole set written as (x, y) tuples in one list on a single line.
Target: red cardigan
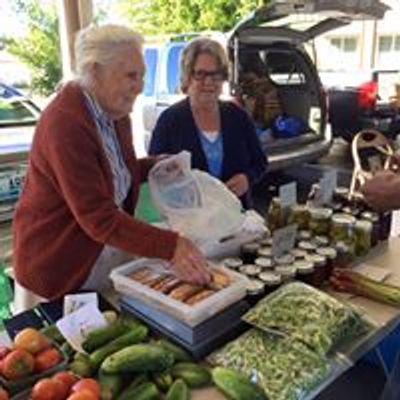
[(66, 213)]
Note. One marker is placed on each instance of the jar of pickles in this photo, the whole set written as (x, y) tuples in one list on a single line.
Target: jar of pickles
[(275, 215), (341, 194), (320, 219), (373, 217), (305, 271), (249, 252), (271, 281), (286, 272), (285, 259), (255, 291), (342, 229), (300, 215), (363, 234), (250, 270), (299, 254), (320, 241), (307, 246), (331, 255), (344, 255), (264, 263)]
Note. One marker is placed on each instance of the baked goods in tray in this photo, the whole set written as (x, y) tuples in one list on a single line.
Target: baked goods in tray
[(176, 289)]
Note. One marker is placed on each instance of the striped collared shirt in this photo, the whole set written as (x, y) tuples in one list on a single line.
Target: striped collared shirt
[(105, 127)]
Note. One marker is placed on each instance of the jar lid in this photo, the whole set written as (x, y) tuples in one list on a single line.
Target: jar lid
[(370, 216), (304, 235), (317, 259), (286, 271), (341, 191), (343, 219), (264, 262), (265, 251), (363, 225), (285, 259), (321, 213), (233, 262), (328, 252), (304, 267), (250, 269), (298, 253), (252, 247), (298, 207), (254, 286), (320, 240), (306, 245), (270, 278), (265, 242)]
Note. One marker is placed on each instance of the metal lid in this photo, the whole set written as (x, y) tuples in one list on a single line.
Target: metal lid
[(298, 253), (304, 267), (320, 240), (264, 262), (370, 216), (285, 259), (306, 245), (254, 286), (233, 262), (265, 242), (317, 259), (329, 252), (286, 271), (363, 225), (343, 219), (298, 207), (341, 191), (250, 269), (304, 235), (251, 247), (265, 251), (321, 213), (270, 278)]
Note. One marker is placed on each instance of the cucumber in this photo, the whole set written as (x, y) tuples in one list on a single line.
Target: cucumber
[(178, 353), (143, 391), (193, 375), (138, 358), (235, 386), (163, 380), (134, 336), (101, 336), (81, 366), (128, 390), (110, 385), (178, 391)]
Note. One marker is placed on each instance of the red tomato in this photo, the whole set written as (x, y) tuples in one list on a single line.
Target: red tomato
[(17, 364), (68, 378), (87, 384), (31, 340), (46, 359), (61, 388), (4, 350), (47, 389), (84, 394), (3, 394)]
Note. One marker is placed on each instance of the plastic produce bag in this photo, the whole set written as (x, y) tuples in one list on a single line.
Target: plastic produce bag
[(193, 202)]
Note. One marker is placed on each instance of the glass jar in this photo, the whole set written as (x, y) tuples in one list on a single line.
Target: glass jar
[(249, 252), (275, 214), (299, 254), (373, 217), (271, 281), (320, 241), (255, 291), (233, 263), (342, 229), (286, 272), (320, 220), (319, 263), (305, 271), (307, 246), (363, 234), (265, 252), (250, 270), (331, 255), (344, 255), (285, 259), (341, 194), (300, 215), (264, 263), (304, 235), (385, 222), (265, 242)]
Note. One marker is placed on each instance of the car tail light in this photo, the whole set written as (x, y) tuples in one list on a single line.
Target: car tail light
[(367, 95)]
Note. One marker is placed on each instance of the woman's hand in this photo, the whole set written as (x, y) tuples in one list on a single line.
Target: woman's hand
[(238, 184), (189, 263)]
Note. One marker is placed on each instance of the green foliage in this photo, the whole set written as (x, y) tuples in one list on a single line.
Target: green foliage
[(39, 49), (178, 16)]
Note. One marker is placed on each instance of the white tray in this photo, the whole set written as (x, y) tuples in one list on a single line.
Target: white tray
[(191, 315)]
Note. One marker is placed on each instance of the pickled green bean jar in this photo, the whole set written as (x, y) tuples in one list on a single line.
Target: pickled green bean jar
[(363, 236), (342, 230), (320, 219)]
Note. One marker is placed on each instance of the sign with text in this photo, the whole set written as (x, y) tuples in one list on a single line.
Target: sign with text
[(328, 185), (288, 194), (283, 240)]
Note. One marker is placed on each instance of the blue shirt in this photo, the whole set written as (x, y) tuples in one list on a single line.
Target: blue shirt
[(214, 153)]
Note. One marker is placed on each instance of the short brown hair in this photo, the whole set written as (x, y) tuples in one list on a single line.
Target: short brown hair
[(201, 46)]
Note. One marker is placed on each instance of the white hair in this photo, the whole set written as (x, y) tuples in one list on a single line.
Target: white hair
[(101, 45)]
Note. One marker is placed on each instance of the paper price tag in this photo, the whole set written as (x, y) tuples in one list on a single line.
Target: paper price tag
[(76, 326), (73, 302), (328, 185), (288, 194), (283, 240)]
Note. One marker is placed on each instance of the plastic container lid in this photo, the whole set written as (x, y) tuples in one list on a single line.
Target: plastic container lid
[(233, 262), (304, 267), (255, 287), (270, 278), (328, 252), (264, 262), (250, 270)]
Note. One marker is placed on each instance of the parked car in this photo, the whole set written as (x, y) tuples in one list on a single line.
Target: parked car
[(276, 34), (362, 100)]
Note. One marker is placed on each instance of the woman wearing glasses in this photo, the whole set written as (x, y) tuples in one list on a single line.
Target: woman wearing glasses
[(219, 134)]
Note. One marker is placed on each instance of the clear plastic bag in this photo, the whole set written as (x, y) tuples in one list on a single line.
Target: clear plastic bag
[(193, 202)]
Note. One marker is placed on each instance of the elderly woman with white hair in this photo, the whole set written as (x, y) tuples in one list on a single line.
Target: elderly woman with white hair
[(74, 220)]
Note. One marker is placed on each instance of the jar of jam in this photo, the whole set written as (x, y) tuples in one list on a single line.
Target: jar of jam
[(363, 234), (286, 272), (233, 263), (319, 263), (275, 214), (249, 252), (271, 281), (250, 270), (255, 291), (264, 263), (299, 254), (373, 217), (331, 255), (320, 219), (342, 229), (300, 215), (305, 271)]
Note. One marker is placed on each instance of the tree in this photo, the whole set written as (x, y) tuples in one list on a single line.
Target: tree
[(178, 16), (39, 48)]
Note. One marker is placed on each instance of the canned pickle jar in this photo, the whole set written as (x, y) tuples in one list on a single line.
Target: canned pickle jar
[(342, 229), (264, 263), (275, 215), (286, 272), (255, 291), (265, 252), (249, 252), (299, 254), (320, 240), (271, 281), (373, 217), (305, 271), (285, 259), (250, 270), (319, 268), (307, 246), (344, 255), (331, 255), (363, 235), (385, 222), (233, 262), (299, 214), (320, 219)]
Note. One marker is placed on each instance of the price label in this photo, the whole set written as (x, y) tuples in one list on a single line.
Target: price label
[(76, 326), (73, 302), (328, 185), (283, 240), (288, 194)]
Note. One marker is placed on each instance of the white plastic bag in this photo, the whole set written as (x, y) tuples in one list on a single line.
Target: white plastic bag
[(193, 202)]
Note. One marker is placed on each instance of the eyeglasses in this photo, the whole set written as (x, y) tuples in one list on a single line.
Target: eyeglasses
[(201, 75)]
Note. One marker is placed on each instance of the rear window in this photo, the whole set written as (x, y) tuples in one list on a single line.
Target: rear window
[(173, 69), (15, 112), (150, 60)]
